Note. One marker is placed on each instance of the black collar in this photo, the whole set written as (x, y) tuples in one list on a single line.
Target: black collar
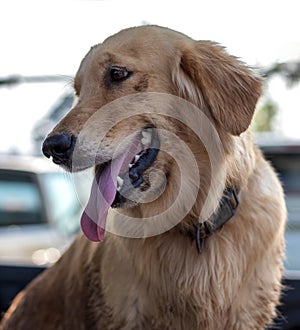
[(227, 208)]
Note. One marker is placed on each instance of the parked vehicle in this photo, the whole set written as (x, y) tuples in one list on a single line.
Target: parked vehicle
[(285, 157), (39, 211)]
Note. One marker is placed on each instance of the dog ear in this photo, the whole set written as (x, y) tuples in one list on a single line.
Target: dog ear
[(206, 73)]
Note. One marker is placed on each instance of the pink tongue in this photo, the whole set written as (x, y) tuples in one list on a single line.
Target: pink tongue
[(103, 193)]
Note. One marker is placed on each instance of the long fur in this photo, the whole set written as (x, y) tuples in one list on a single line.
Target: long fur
[(162, 282)]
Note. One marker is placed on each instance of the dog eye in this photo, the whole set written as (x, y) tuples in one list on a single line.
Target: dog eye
[(119, 73)]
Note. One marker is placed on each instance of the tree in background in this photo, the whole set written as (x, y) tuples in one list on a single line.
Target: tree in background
[(290, 71), (265, 116), (264, 120)]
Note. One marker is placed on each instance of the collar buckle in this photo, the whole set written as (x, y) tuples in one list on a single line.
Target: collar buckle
[(202, 232)]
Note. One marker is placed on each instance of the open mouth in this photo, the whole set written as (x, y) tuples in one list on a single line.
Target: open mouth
[(115, 180)]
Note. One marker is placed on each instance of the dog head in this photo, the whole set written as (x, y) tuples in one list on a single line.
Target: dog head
[(124, 109)]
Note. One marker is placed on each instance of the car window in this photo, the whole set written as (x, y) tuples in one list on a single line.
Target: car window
[(63, 204), (20, 199), (288, 168)]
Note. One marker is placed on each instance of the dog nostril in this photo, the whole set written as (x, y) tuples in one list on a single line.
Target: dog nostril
[(59, 146)]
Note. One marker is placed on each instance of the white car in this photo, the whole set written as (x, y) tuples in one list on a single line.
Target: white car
[(39, 211)]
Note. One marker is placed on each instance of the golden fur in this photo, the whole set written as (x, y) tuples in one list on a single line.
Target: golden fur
[(162, 282)]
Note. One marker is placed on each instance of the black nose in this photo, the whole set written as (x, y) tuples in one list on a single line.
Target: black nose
[(60, 147)]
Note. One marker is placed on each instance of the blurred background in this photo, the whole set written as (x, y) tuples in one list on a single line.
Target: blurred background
[(42, 44)]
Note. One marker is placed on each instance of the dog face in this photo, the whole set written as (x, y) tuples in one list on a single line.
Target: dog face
[(124, 75)]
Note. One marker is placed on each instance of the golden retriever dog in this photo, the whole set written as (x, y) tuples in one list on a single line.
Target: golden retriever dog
[(184, 227)]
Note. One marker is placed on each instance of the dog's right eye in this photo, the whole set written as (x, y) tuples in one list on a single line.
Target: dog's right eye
[(118, 73)]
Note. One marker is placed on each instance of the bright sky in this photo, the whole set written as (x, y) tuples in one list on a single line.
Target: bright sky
[(51, 37)]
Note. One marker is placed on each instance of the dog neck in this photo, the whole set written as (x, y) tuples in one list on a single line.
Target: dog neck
[(226, 210)]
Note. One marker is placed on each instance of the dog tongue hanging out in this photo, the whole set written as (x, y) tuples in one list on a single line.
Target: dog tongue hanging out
[(133, 89), (108, 186)]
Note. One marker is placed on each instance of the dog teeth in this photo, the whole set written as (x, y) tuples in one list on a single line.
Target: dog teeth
[(147, 137), (120, 182), (134, 161)]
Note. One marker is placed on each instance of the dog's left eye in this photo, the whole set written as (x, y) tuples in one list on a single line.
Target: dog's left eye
[(118, 73)]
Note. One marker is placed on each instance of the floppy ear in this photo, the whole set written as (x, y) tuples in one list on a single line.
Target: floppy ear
[(230, 90)]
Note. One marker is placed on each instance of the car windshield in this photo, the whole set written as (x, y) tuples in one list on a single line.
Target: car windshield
[(64, 206), (20, 199)]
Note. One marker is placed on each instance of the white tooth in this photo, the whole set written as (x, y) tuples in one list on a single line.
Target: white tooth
[(130, 165), (147, 136), (136, 158), (120, 181), (119, 188)]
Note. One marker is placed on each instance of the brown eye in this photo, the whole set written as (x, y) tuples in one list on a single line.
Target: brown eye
[(119, 73)]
